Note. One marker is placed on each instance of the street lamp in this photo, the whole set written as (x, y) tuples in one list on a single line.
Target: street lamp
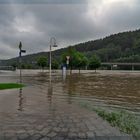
[(52, 44), (20, 61)]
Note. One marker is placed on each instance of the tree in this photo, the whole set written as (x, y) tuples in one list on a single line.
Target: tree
[(28, 66), (42, 62), (14, 65), (77, 59), (55, 64), (73, 57), (94, 63), (23, 66), (81, 61)]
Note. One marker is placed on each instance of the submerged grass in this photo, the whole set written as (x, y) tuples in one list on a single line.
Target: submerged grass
[(126, 122), (10, 86)]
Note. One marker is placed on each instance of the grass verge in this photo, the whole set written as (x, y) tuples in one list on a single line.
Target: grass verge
[(125, 121), (10, 86)]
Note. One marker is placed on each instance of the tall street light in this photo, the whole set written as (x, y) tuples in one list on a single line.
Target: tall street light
[(52, 44)]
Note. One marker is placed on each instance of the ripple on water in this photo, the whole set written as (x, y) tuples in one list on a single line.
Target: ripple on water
[(119, 90)]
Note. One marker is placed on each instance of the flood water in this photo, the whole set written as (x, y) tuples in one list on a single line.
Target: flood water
[(108, 89)]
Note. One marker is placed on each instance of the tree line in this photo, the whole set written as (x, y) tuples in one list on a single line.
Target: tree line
[(121, 47), (77, 61)]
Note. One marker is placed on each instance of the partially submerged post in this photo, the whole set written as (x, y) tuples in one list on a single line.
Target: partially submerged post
[(52, 44), (50, 89), (20, 59)]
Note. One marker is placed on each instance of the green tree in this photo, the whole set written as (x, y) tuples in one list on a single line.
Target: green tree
[(14, 65), (81, 61), (73, 57), (77, 59), (29, 66), (55, 64), (42, 62), (94, 63), (23, 66)]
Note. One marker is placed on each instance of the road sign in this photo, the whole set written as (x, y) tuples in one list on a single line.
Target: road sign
[(23, 51)]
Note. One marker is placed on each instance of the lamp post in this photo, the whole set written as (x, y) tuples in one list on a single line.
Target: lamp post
[(52, 44), (20, 60)]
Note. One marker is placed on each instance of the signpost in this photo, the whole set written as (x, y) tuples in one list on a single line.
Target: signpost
[(68, 60), (20, 59)]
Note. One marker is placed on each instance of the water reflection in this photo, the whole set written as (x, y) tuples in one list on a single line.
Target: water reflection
[(50, 90), (50, 93), (64, 77), (70, 86), (20, 108), (107, 91), (115, 91)]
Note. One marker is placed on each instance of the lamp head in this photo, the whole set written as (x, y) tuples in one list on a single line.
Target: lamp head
[(54, 45)]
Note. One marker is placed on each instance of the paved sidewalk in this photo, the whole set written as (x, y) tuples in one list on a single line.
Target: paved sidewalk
[(56, 121)]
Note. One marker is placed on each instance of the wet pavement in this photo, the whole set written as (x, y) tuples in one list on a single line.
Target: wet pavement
[(47, 109)]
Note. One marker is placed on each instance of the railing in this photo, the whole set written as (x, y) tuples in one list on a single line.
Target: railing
[(121, 64), (7, 68), (116, 64)]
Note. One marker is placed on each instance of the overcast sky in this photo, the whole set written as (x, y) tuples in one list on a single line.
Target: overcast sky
[(34, 22)]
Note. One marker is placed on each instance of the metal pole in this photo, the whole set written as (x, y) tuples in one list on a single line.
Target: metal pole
[(20, 60), (52, 44), (50, 59), (20, 66)]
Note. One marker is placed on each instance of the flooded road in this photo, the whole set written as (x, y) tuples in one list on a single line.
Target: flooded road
[(51, 109), (113, 90)]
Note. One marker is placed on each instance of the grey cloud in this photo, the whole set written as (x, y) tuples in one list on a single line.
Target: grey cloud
[(121, 17), (66, 22), (34, 24), (42, 1)]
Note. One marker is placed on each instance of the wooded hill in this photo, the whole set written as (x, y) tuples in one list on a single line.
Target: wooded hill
[(121, 47)]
